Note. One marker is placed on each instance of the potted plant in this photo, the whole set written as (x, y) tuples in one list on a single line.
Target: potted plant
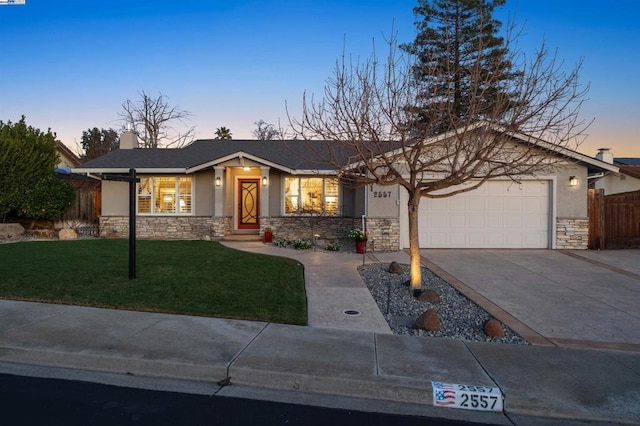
[(360, 237), (268, 234)]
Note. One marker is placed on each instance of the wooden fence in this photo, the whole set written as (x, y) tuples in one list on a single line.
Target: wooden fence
[(614, 220), (87, 205)]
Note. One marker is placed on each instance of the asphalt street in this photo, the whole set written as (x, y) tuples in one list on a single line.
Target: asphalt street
[(38, 401)]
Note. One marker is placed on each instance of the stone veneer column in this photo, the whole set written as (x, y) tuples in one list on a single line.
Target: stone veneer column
[(572, 233)]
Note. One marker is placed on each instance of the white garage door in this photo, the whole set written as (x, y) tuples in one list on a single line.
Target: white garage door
[(499, 214)]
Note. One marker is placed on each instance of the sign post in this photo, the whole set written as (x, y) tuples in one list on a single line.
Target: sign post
[(132, 179)]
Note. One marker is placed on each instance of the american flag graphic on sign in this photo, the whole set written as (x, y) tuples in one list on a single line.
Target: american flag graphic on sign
[(445, 397), (440, 385)]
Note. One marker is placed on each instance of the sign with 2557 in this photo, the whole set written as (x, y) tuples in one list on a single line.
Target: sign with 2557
[(453, 395)]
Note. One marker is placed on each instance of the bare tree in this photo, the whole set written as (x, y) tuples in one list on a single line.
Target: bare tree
[(153, 119), (383, 126), (265, 131)]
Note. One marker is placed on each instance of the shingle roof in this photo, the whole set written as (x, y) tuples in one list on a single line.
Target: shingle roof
[(296, 155), (628, 160), (630, 170)]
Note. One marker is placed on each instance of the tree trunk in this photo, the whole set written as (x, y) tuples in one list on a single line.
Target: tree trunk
[(414, 243)]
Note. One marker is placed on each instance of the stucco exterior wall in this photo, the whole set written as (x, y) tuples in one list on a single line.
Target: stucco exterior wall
[(203, 190), (383, 201), (571, 201), (616, 183), (115, 198)]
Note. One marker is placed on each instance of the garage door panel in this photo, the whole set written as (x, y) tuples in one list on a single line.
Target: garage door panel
[(513, 222), (500, 214), (514, 205), (476, 205), (495, 222)]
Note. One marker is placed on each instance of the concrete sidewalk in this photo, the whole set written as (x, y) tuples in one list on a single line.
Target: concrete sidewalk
[(576, 384)]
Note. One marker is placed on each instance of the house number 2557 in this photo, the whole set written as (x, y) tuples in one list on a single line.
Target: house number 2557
[(381, 194)]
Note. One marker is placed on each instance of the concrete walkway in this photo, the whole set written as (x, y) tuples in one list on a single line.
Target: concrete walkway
[(333, 287), (323, 364)]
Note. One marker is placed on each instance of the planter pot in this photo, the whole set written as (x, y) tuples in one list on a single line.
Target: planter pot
[(268, 236), (361, 247)]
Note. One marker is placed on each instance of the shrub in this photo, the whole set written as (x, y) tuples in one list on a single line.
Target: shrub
[(300, 244), (333, 246), (281, 242), (47, 199)]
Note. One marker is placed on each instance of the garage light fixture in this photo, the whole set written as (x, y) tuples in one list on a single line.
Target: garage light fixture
[(573, 181), (218, 181)]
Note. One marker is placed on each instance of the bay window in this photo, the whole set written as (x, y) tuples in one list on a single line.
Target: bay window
[(311, 195), (165, 195)]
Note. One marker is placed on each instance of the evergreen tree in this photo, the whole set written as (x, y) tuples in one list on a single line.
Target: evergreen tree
[(27, 156), (461, 63), (97, 142)]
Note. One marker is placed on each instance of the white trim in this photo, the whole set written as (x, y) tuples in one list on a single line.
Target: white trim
[(238, 154), (126, 170), (283, 204), (553, 180), (177, 199)]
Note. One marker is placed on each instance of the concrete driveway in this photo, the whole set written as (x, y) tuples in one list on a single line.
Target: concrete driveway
[(564, 298)]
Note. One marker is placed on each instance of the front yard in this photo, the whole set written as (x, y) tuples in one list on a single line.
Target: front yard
[(183, 277)]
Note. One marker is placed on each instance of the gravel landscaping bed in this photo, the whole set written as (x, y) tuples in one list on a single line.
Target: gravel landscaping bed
[(460, 318)]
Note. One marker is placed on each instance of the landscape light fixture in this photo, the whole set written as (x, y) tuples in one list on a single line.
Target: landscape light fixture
[(573, 181)]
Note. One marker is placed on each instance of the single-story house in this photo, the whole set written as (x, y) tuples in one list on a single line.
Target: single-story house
[(213, 188), (626, 179)]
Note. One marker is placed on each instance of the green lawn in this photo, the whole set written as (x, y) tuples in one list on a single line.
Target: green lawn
[(186, 277)]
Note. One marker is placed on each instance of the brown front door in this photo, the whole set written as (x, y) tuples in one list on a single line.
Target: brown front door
[(248, 204)]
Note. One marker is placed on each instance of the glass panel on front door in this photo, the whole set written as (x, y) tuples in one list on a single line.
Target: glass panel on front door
[(249, 204)]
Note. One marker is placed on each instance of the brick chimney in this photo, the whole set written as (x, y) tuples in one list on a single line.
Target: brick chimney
[(604, 154)]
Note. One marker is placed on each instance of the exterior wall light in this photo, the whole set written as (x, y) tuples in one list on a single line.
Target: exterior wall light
[(218, 181), (264, 181), (573, 181)]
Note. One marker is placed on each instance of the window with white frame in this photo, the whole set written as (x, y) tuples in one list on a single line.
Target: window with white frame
[(311, 195), (165, 195)]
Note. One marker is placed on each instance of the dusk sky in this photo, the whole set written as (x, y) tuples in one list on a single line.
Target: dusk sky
[(68, 65)]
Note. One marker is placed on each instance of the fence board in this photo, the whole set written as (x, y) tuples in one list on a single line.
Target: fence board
[(622, 220)]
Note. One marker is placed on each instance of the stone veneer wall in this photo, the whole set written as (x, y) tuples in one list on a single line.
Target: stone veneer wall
[(168, 227), (384, 233), (572, 233)]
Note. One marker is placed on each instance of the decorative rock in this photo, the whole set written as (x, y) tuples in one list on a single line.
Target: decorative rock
[(428, 321), (11, 230), (493, 328), (67, 234), (395, 268), (46, 234), (429, 296)]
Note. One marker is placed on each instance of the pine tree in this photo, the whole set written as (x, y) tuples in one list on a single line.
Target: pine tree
[(461, 63)]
